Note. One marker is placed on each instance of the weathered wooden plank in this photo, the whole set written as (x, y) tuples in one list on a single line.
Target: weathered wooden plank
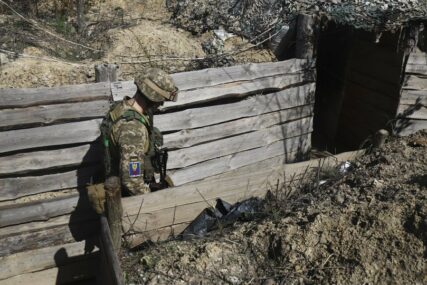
[(48, 114), (238, 89), (417, 58), (50, 159), (294, 148), (49, 236), (305, 38), (216, 76), (251, 71), (63, 134), (109, 256), (37, 211), (188, 156), (81, 270), (233, 89), (17, 187), (26, 97), (413, 112), (253, 106), (409, 126), (39, 259), (218, 186), (415, 82), (416, 69), (187, 138), (414, 97)]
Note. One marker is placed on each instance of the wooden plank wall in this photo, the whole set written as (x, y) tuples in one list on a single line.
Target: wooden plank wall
[(412, 112), (225, 120)]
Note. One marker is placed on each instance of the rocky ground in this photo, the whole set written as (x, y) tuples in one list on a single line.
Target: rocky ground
[(366, 227)]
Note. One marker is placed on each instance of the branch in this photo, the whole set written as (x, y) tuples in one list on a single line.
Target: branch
[(36, 25), (40, 58)]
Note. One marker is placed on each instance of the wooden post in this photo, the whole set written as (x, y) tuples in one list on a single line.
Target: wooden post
[(305, 37), (106, 72), (111, 270), (113, 195), (114, 210)]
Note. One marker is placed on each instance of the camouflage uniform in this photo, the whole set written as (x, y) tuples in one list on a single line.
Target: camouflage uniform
[(130, 145), (129, 139)]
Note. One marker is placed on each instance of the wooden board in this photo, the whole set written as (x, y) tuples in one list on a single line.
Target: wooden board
[(16, 187), (415, 82), (417, 58), (187, 138), (294, 148), (188, 156), (37, 211), (414, 97), (63, 134), (413, 112), (83, 269), (253, 106), (215, 76), (407, 127), (48, 114), (49, 236), (238, 89), (233, 90), (237, 182), (416, 69), (26, 97), (39, 259), (50, 159)]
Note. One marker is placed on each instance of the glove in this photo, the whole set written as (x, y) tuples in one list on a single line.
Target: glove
[(96, 195)]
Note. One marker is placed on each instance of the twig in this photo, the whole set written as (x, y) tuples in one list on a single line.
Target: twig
[(35, 24)]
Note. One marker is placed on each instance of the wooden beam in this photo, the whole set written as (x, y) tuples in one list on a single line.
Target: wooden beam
[(106, 72), (239, 89), (49, 114), (40, 259), (415, 82), (187, 138), (294, 148), (63, 134), (177, 203), (417, 58), (26, 97), (414, 97), (305, 39), (50, 159), (16, 187), (38, 211), (188, 156), (416, 69), (49, 236), (216, 76), (77, 271), (253, 106), (228, 90), (109, 256)]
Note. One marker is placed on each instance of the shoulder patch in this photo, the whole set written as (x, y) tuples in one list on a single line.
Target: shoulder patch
[(134, 169)]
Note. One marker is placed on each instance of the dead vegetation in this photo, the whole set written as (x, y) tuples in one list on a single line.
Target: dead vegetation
[(365, 227)]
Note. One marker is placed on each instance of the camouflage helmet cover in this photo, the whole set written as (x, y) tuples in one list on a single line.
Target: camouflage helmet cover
[(156, 85)]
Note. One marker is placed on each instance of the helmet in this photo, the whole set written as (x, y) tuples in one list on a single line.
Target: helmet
[(156, 85)]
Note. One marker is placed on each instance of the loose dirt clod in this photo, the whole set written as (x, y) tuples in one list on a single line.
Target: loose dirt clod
[(367, 227)]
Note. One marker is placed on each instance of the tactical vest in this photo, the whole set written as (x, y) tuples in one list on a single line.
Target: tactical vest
[(112, 157)]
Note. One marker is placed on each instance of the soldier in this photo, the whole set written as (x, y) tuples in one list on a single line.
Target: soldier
[(129, 137)]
